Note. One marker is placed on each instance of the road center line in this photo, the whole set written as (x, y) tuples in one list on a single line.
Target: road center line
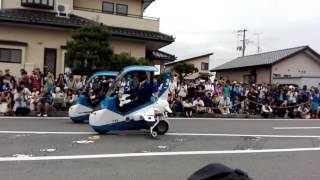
[(294, 128), (47, 133), (244, 135), (183, 153), (168, 134)]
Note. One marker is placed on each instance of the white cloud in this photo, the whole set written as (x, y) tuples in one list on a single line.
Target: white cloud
[(208, 25)]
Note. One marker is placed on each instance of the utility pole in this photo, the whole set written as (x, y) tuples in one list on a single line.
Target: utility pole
[(258, 42), (244, 41)]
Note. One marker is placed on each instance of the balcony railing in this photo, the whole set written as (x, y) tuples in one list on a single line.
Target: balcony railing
[(127, 15)]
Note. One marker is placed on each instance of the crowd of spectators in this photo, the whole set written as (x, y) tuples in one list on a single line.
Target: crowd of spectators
[(33, 92), (227, 97)]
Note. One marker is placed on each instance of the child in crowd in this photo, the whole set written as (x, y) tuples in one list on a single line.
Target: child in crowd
[(314, 104), (20, 106), (303, 112), (266, 111), (70, 98), (188, 107), (34, 99)]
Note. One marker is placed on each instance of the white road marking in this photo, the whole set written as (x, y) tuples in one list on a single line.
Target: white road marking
[(244, 135), (48, 150), (152, 154), (293, 128), (46, 133), (83, 142), (168, 134)]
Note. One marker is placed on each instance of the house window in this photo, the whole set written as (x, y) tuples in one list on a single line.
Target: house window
[(108, 7), (249, 79), (49, 4), (122, 9), (10, 55), (204, 66)]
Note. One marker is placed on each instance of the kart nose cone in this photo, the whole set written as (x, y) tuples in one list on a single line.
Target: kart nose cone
[(93, 119)]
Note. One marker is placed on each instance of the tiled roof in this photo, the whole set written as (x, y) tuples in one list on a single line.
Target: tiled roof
[(139, 34), (31, 17), (146, 3), (266, 58), (41, 18), (189, 59), (160, 55)]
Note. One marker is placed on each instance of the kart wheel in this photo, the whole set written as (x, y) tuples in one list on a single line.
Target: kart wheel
[(154, 134), (77, 122), (101, 132), (162, 127)]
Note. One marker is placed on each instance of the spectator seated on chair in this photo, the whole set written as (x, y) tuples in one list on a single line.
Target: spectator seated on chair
[(20, 106), (199, 104), (266, 111), (58, 99), (177, 106), (208, 103), (303, 112), (188, 108), (45, 101)]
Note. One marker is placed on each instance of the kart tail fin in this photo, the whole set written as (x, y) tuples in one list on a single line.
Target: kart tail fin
[(164, 91)]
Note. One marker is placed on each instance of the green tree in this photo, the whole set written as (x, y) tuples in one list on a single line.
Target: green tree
[(183, 69), (119, 61), (90, 49)]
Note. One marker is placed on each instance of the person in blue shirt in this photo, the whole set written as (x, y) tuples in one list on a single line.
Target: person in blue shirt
[(45, 101), (314, 104), (304, 95), (4, 86), (208, 103)]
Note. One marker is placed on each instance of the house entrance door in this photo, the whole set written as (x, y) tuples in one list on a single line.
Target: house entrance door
[(50, 60)]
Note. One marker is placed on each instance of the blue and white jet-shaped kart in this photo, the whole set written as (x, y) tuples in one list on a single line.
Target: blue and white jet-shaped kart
[(122, 109), (80, 112)]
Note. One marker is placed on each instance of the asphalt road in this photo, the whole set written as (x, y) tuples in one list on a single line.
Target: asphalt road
[(266, 149)]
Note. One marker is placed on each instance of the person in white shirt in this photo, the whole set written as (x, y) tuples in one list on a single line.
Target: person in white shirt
[(20, 107), (172, 88), (182, 90), (225, 104), (266, 111), (77, 83), (303, 112), (58, 98), (198, 104), (209, 87)]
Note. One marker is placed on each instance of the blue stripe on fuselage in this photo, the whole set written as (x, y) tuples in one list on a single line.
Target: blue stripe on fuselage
[(124, 125)]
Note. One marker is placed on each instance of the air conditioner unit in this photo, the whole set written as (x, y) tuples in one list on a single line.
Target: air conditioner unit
[(63, 10)]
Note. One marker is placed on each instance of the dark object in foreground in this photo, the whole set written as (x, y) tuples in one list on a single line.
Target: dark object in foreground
[(219, 172)]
